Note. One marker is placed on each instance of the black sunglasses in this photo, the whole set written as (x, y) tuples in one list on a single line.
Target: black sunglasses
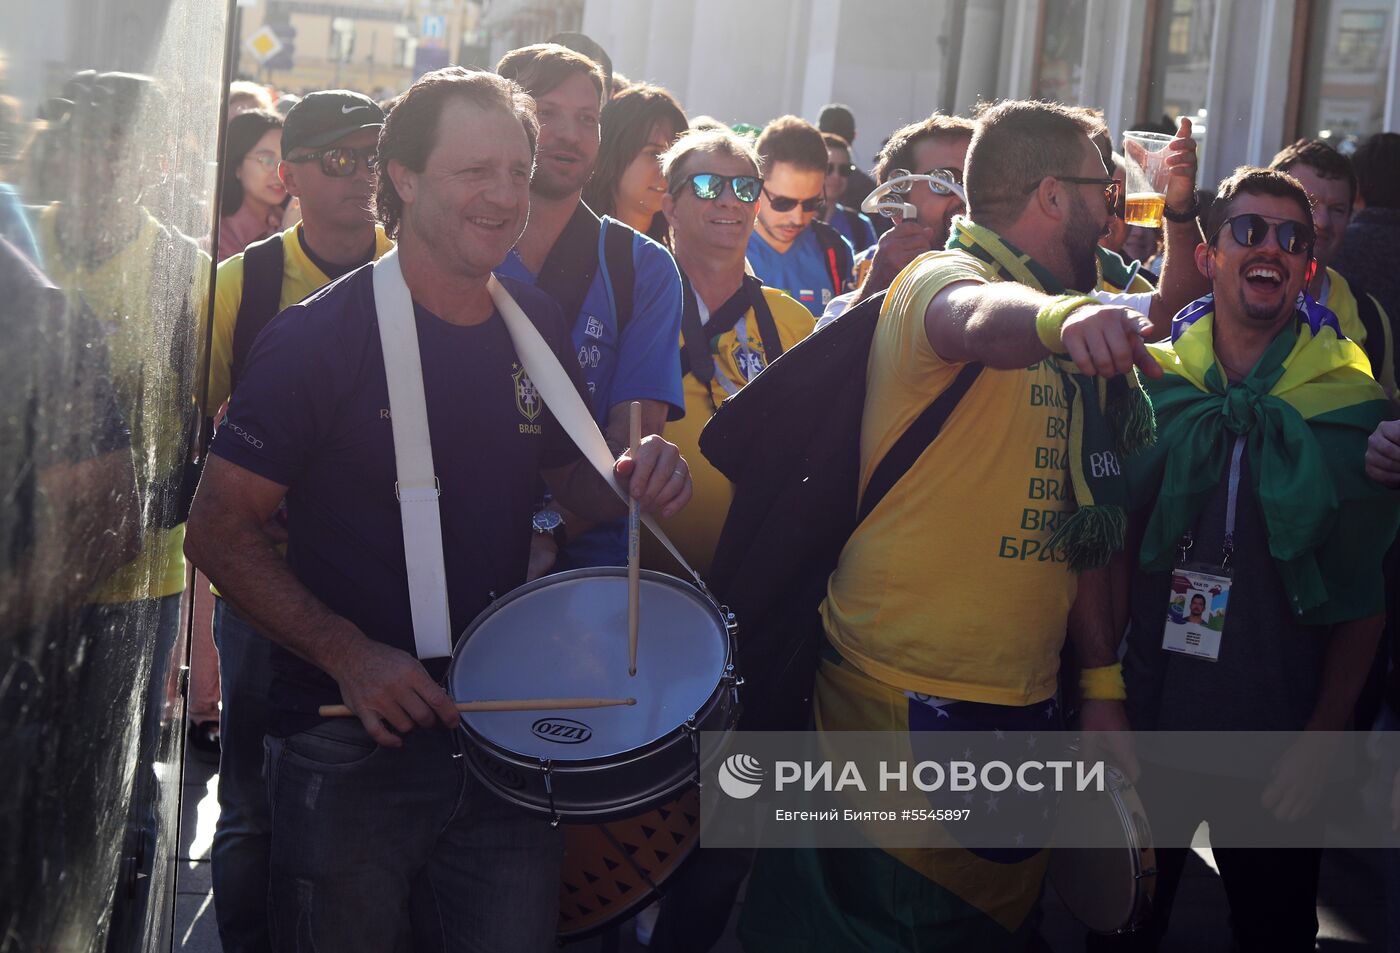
[(340, 161), (1294, 238), (781, 203), (938, 187), (709, 186), (1111, 189), (843, 169)]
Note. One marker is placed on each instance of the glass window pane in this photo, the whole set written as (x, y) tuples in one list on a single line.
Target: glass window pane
[(1180, 59), (108, 122), (1344, 81), (1061, 63)]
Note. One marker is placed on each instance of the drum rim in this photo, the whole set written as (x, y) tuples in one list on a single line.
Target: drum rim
[(1127, 804), (615, 811), (583, 765)]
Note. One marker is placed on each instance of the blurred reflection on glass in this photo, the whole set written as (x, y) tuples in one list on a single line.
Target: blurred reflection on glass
[(1344, 84), (1060, 60), (105, 173), (1180, 59)]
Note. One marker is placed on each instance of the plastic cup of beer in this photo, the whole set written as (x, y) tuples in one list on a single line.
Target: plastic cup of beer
[(1145, 173)]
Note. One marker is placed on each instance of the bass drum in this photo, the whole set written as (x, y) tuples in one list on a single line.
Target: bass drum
[(612, 870), (565, 636)]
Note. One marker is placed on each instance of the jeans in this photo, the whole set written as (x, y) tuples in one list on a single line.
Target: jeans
[(379, 849), (243, 834)]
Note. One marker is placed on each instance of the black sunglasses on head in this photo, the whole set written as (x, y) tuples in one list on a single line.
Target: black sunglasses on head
[(709, 186), (843, 169), (782, 203), (1249, 230), (340, 161)]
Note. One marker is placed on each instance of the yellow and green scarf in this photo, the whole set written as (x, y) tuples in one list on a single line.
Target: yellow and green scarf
[(1306, 411), (1109, 419)]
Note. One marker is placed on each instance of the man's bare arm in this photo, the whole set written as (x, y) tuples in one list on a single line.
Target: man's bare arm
[(994, 324), (227, 539), (1351, 647), (617, 433), (1094, 626), (1181, 282), (653, 473)]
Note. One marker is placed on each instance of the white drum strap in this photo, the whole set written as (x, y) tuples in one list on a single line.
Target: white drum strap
[(559, 394), (417, 486)]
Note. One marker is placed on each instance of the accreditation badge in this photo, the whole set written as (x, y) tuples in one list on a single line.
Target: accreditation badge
[(1196, 611)]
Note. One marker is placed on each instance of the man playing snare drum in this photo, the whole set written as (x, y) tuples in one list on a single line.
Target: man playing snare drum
[(380, 833)]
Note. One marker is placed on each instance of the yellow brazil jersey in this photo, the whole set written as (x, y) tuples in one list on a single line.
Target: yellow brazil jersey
[(738, 355), (947, 588), (1341, 301), (120, 291), (300, 278)]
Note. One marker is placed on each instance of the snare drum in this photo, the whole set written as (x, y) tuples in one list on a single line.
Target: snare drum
[(565, 636), (1108, 889)]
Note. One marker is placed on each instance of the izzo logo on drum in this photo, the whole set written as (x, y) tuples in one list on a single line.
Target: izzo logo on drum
[(564, 731), (740, 776)]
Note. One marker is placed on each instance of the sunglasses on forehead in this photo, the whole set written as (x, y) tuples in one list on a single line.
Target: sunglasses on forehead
[(709, 186), (1294, 238), (843, 169), (782, 203), (340, 161)]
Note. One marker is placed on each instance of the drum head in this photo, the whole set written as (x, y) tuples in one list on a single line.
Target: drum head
[(565, 636), (1103, 887)]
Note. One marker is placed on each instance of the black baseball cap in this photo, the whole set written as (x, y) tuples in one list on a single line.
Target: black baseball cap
[(324, 116)]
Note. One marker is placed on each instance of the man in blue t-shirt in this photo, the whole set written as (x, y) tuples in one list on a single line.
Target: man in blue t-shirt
[(375, 817), (624, 327), (791, 249)]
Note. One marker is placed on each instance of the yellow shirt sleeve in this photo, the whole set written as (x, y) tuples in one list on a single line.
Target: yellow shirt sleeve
[(228, 294)]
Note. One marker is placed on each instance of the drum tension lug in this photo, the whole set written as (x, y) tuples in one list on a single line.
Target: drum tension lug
[(735, 681), (547, 766), (730, 623), (694, 733)]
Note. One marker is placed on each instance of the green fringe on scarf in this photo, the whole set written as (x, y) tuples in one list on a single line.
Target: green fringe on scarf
[(1109, 419)]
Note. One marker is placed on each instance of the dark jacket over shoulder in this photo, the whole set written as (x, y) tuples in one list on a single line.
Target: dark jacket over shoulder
[(790, 443)]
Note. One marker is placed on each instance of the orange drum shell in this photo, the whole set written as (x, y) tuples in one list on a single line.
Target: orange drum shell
[(611, 870)]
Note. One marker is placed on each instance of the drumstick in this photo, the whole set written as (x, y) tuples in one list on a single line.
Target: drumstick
[(634, 546), (507, 704)]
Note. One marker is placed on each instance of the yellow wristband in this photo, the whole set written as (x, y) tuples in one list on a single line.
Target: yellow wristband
[(1104, 683), (1050, 320)]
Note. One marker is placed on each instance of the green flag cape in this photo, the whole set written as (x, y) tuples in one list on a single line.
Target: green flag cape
[(1109, 419), (1306, 411)]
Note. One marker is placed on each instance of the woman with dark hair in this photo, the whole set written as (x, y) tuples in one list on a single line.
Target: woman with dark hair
[(638, 125), (254, 197)]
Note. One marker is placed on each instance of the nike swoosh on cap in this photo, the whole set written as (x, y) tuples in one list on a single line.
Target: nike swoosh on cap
[(346, 110)]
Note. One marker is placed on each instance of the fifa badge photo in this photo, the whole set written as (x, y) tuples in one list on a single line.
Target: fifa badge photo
[(1196, 613)]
